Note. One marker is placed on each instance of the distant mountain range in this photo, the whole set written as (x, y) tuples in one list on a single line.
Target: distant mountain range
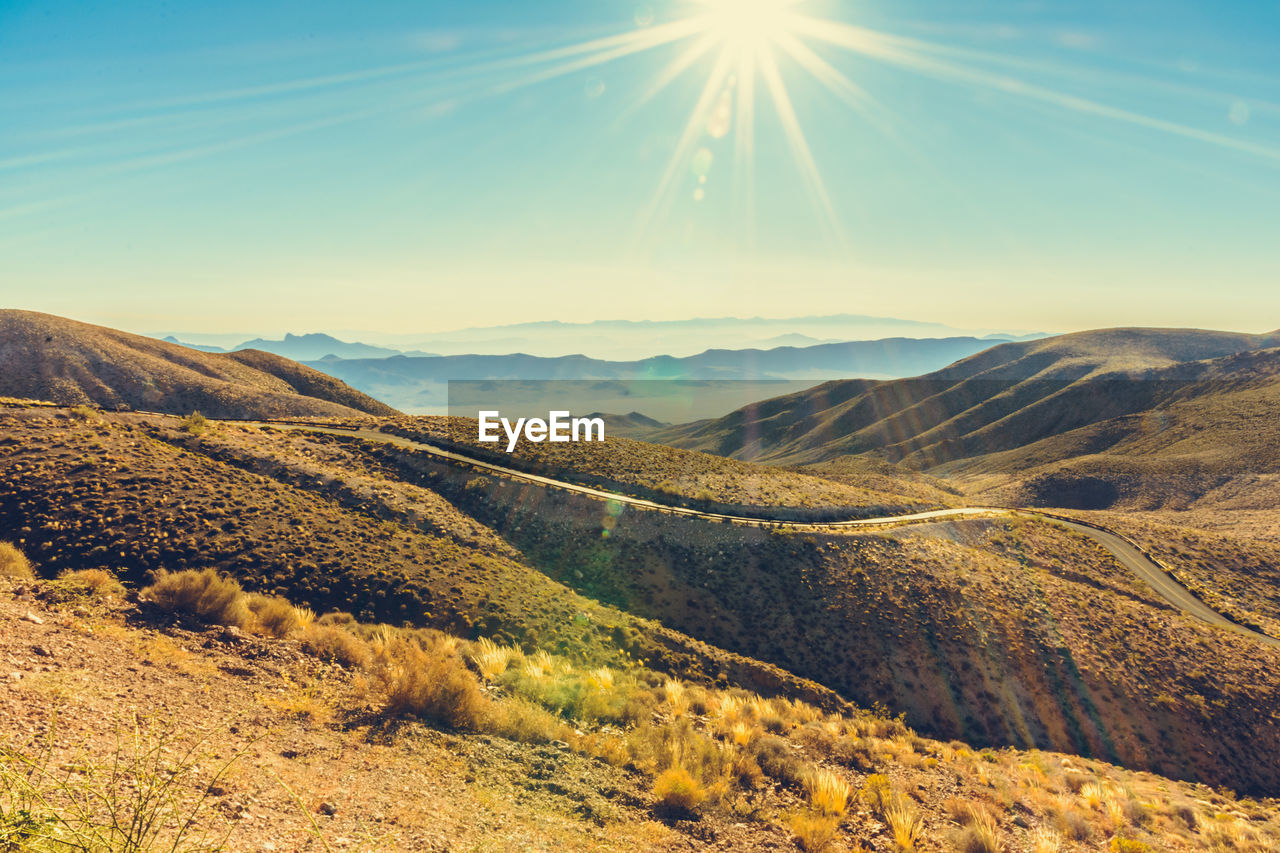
[(312, 347), (420, 384), (44, 357), (610, 340)]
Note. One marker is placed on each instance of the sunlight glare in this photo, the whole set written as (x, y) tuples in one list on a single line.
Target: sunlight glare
[(748, 24)]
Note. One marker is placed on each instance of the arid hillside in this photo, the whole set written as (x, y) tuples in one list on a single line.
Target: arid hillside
[(43, 357), (1134, 419), (145, 719)]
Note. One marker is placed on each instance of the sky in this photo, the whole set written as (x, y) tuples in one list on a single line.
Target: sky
[(270, 166)]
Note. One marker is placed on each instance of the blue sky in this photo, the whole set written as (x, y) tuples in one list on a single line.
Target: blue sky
[(417, 166)]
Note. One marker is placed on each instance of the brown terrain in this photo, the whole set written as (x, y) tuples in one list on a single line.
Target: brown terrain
[(43, 357), (627, 668)]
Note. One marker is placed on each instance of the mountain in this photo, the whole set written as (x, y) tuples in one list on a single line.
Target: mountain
[(202, 347), (420, 384), (314, 347), (64, 361), (1090, 420), (624, 340)]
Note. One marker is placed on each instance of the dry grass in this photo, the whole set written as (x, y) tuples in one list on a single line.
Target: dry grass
[(828, 792), (676, 788), (273, 615), (982, 835), (905, 824), (13, 563), (814, 832), (207, 595), (433, 683), (99, 583)]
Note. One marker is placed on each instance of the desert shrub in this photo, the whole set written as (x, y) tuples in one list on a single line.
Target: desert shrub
[(1045, 840), (854, 752), (1073, 825), (13, 563), (520, 720), (815, 737), (745, 771), (432, 683), (877, 793), (336, 617), (675, 788), (1128, 845), (982, 835), (905, 824), (490, 658), (778, 761), (814, 833), (96, 582), (195, 424), (274, 615), (828, 793), (331, 643), (204, 594)]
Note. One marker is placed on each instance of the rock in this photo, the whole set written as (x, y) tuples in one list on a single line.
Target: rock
[(15, 676), (559, 744), (231, 634), (327, 808), (41, 651), (33, 619)]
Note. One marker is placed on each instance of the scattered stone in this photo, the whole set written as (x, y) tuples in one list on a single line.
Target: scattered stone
[(33, 619), (41, 651), (15, 676), (559, 744), (328, 808)]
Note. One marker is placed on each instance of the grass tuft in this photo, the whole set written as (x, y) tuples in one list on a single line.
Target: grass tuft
[(13, 563)]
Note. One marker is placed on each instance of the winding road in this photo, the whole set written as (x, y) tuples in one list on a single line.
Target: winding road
[(1125, 551)]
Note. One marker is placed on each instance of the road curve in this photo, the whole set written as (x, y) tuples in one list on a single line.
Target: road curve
[(1126, 552)]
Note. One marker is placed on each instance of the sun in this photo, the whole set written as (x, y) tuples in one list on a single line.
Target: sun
[(748, 24)]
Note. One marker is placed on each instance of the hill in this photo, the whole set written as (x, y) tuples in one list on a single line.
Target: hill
[(50, 358), (1091, 419), (257, 738)]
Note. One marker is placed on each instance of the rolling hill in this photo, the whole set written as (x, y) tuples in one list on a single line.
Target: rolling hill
[(1128, 417), (44, 357)]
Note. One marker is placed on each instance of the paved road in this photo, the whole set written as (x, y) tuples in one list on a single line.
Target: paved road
[(1125, 551)]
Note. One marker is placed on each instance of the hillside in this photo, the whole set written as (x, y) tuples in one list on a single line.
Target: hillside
[(44, 357), (119, 712), (1142, 419)]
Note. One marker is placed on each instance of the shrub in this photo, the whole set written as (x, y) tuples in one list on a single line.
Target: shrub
[(877, 792), (675, 788), (205, 594), (1128, 845), (274, 615), (433, 683), (814, 833), (778, 761), (854, 752), (329, 642), (195, 423), (828, 793), (982, 835), (13, 563), (905, 824), (1045, 840), (95, 582), (520, 720), (490, 658)]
